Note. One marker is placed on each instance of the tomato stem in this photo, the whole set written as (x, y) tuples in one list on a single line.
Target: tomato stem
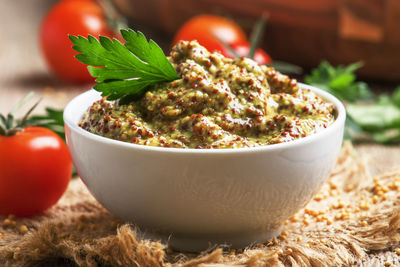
[(255, 38), (256, 34), (8, 127), (114, 19), (286, 67), (227, 46), (22, 102), (25, 117), (2, 130), (10, 120)]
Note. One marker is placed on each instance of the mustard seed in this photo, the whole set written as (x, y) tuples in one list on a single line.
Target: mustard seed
[(23, 229), (17, 250), (9, 223)]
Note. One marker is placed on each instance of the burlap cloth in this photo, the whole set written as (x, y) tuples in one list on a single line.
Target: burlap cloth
[(353, 215)]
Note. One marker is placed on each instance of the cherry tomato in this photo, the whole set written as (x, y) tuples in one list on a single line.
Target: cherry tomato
[(35, 168), (76, 17), (207, 28), (242, 49)]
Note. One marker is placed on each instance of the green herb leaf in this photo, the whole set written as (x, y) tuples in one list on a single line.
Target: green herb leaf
[(375, 117), (379, 120), (387, 137), (396, 96), (124, 70), (368, 117), (340, 81)]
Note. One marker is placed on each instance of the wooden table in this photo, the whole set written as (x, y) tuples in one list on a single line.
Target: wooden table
[(23, 70)]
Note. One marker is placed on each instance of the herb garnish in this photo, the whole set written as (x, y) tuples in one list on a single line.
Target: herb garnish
[(124, 71), (368, 117), (340, 81), (380, 119)]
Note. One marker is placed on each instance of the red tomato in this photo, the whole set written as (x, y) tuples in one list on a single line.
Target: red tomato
[(35, 168), (205, 29), (260, 56), (77, 17)]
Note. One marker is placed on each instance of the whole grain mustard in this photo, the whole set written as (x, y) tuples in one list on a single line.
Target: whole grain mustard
[(218, 103)]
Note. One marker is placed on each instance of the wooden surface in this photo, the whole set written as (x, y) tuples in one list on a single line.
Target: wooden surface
[(22, 70)]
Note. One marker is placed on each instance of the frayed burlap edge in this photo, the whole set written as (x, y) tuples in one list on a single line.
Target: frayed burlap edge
[(352, 215)]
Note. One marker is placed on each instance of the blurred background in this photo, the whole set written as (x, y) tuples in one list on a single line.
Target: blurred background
[(300, 32), (297, 36), (23, 67)]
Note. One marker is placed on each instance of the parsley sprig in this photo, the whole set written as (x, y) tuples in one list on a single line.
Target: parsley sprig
[(340, 81), (124, 71), (368, 117), (379, 119)]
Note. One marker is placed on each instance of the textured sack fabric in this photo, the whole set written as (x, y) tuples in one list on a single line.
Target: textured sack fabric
[(354, 214)]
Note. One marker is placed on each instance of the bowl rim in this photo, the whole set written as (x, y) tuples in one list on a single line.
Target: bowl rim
[(335, 126)]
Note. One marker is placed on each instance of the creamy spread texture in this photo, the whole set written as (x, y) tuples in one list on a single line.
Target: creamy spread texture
[(218, 103)]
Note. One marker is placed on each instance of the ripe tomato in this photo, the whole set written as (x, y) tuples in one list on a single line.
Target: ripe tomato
[(207, 28), (77, 17), (35, 168), (242, 49)]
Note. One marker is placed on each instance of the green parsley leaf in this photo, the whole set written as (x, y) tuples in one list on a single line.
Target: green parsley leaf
[(375, 117), (124, 71), (390, 136), (396, 96), (340, 81), (379, 120)]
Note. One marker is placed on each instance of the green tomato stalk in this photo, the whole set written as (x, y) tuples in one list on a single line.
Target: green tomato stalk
[(8, 125)]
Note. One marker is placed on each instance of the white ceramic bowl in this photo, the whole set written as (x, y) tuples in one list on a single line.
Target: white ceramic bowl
[(195, 197)]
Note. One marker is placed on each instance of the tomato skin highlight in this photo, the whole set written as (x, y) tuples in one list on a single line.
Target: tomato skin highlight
[(76, 17), (35, 169), (206, 28)]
